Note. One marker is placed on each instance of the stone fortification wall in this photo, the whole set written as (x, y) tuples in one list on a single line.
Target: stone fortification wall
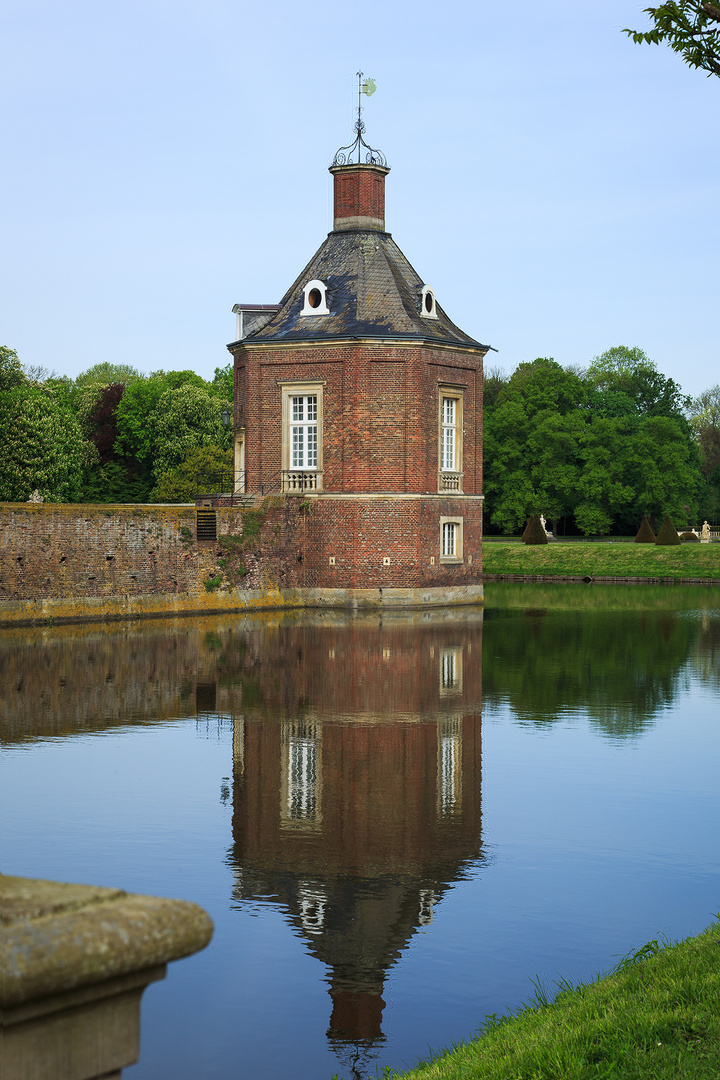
[(83, 561)]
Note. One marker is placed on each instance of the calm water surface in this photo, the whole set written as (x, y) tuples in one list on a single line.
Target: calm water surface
[(395, 825)]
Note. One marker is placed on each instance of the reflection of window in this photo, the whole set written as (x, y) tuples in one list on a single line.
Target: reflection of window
[(451, 539), (428, 899), (451, 671), (301, 774), (450, 448), (311, 904), (302, 436), (449, 768)]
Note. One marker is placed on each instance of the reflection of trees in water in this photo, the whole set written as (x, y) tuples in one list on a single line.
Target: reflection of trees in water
[(618, 667), (705, 654)]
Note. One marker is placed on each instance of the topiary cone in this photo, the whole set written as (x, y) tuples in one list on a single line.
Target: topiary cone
[(645, 535), (668, 533), (534, 532)]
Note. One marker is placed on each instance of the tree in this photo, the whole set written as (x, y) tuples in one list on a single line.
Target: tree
[(203, 463), (705, 423), (690, 27), (532, 437), (11, 370), (185, 418), (42, 447), (623, 375)]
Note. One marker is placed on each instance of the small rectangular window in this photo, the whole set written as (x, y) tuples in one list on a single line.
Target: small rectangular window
[(451, 539), (448, 539)]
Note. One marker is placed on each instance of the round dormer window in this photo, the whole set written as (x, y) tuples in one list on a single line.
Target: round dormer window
[(427, 303), (315, 298)]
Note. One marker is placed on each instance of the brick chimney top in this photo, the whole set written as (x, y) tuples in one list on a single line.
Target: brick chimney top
[(359, 197)]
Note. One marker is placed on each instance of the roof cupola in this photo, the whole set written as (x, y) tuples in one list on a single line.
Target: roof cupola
[(359, 173)]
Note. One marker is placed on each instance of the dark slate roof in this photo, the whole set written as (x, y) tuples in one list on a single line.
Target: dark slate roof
[(372, 291)]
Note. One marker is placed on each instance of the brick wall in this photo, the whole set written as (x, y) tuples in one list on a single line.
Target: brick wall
[(380, 412), (83, 551)]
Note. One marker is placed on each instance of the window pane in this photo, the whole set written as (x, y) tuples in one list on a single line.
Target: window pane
[(311, 408), (311, 462), (297, 447), (448, 538), (297, 408), (448, 449), (449, 410)]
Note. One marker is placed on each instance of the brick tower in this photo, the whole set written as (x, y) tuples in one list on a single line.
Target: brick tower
[(359, 396)]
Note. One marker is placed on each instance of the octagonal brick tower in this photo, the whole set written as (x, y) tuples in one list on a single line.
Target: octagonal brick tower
[(358, 395)]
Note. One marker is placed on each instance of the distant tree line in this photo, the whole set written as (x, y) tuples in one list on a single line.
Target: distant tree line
[(111, 434), (594, 449)]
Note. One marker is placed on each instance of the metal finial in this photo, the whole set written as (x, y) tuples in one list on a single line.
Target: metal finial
[(345, 154)]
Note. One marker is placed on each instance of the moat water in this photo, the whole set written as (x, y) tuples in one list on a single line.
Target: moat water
[(396, 825)]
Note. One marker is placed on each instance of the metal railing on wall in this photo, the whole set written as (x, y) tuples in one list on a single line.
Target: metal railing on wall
[(233, 489)]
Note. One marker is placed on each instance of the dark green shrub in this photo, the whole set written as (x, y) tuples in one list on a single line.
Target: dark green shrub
[(668, 533), (689, 538), (645, 535), (534, 532)]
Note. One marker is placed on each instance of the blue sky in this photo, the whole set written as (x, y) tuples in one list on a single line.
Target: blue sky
[(557, 185)]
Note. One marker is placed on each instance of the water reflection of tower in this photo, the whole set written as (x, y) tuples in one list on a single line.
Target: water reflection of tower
[(357, 794)]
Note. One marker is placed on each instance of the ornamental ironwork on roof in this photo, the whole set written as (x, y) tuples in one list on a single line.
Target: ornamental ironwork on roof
[(365, 154)]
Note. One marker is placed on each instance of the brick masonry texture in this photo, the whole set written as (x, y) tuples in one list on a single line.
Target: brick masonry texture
[(81, 551), (359, 192), (380, 412)]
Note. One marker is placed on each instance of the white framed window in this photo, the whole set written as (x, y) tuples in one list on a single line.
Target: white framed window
[(450, 438), (448, 435), (303, 431), (302, 404), (451, 539)]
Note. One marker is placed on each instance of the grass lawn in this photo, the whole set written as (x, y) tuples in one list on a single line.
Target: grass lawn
[(656, 1017), (602, 559)]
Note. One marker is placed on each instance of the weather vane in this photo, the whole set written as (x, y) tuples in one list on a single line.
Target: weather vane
[(345, 154)]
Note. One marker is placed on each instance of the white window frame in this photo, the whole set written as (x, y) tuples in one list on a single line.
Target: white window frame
[(451, 539), (450, 432), (304, 390)]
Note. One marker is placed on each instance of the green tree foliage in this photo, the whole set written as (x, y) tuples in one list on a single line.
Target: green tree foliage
[(604, 446), (136, 412), (11, 370), (689, 27), (185, 418), (531, 461), (42, 447), (203, 466), (104, 374), (705, 423), (626, 380), (223, 383)]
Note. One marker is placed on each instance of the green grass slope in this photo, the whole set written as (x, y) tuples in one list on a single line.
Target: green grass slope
[(656, 1017)]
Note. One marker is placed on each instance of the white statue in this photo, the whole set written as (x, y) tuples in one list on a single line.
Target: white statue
[(705, 533), (542, 522)]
